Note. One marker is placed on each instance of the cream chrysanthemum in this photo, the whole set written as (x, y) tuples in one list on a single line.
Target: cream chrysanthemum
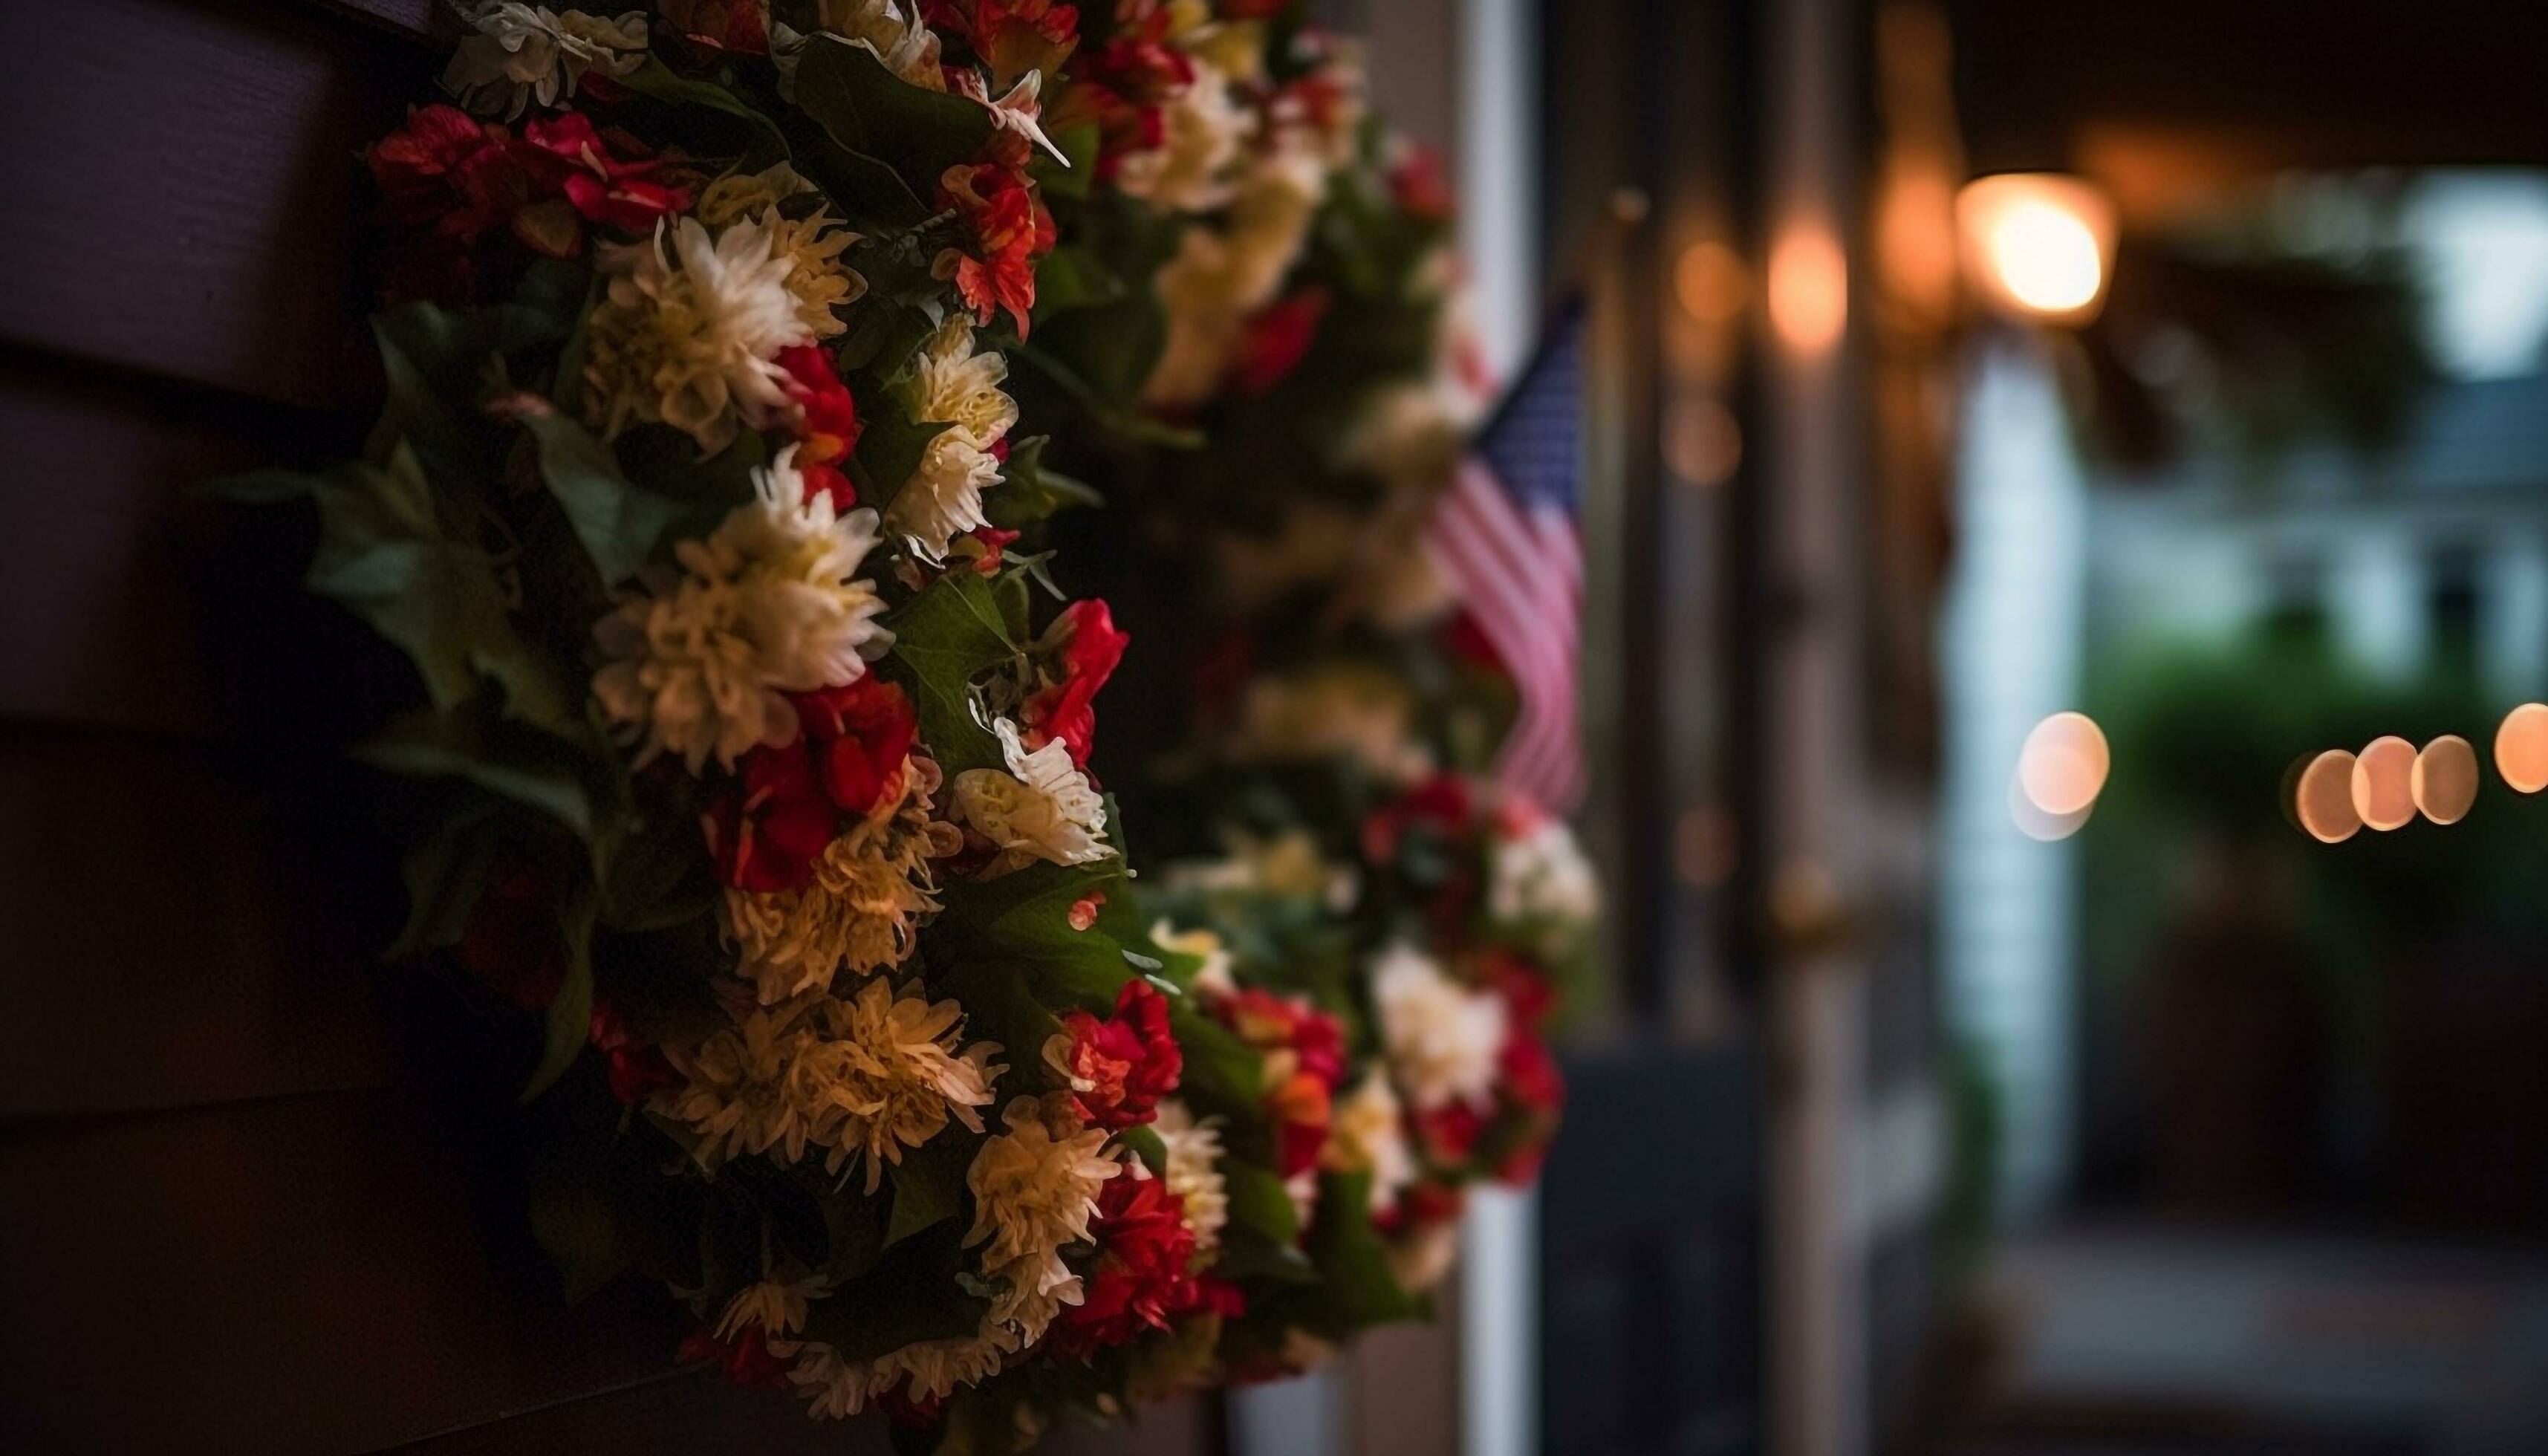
[(872, 889), (1369, 1135), (1212, 977), (833, 1387), (517, 54), (1194, 1171), (688, 330), (900, 1077), (1441, 1039), (701, 655), (1042, 808), (1200, 132), (865, 1077), (953, 385), (774, 1306), (1034, 1189), (817, 279), (1222, 275)]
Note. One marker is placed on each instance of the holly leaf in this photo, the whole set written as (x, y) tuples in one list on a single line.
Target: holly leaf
[(620, 524), (944, 638), (928, 1185), (651, 78), (386, 554), (871, 112)]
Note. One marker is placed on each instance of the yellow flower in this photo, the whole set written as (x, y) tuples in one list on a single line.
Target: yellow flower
[(1035, 1187), (872, 889), (688, 330)]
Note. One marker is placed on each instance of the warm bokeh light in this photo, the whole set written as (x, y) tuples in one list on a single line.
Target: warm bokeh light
[(2038, 244), (1713, 282), (1702, 441), (1808, 289), (2384, 793), (2445, 779), (2322, 798), (2521, 748), (2063, 767), (2035, 823)]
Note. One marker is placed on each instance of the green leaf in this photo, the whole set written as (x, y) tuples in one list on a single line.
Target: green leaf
[(944, 638), (579, 1226), (911, 1294), (385, 552), (1077, 141), (1356, 1285), (469, 744), (620, 526), (1073, 278), (1030, 490), (1259, 1204), (889, 450), (660, 876), (871, 112), (446, 872), (928, 1185), (1145, 1144), (569, 1016), (655, 79)]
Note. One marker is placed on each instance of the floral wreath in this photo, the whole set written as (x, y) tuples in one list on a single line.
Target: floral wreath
[(745, 775)]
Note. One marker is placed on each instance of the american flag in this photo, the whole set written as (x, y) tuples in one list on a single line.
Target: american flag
[(1504, 537)]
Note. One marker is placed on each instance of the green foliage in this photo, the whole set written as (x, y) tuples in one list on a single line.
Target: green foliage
[(872, 113), (945, 638)]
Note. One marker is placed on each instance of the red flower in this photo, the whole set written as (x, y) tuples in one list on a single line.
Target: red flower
[(1526, 989), (1278, 338), (1132, 1060), (616, 191), (1089, 647), (745, 1360), (1441, 804), (1014, 37), (1450, 1133), (1009, 229), (768, 831), (1143, 1279), (986, 546), (1306, 1063), (909, 1413), (1417, 185), (1421, 1206), (512, 940), (827, 414), (862, 734), (741, 26), (636, 1067), (1083, 911), (1532, 1080), (1253, 8)]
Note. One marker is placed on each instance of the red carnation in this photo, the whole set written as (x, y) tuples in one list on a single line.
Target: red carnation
[(1305, 1051), (1278, 338), (1143, 1280), (1089, 647), (606, 187), (827, 420), (1526, 989), (861, 733), (1009, 229), (745, 1360), (1421, 1206), (1450, 1133), (636, 1067), (1130, 1061), (768, 831), (984, 546), (1418, 186)]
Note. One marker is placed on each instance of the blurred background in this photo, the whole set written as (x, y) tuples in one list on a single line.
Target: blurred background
[(1965, 1086)]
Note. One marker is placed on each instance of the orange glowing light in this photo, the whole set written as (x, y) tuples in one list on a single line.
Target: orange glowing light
[(2063, 767), (1808, 290), (2445, 780), (2323, 799), (1713, 282), (2038, 244), (2521, 748), (2383, 785)]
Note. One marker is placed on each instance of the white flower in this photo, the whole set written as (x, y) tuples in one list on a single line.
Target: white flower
[(835, 1388), (1440, 1037), (700, 656), (776, 1307), (1368, 1134), (954, 385), (892, 33), (1201, 133), (1222, 275), (820, 283), (1034, 1189), (861, 912), (690, 331), (1042, 808), (515, 54), (1541, 874), (1194, 1170), (1418, 1260), (1022, 110)]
